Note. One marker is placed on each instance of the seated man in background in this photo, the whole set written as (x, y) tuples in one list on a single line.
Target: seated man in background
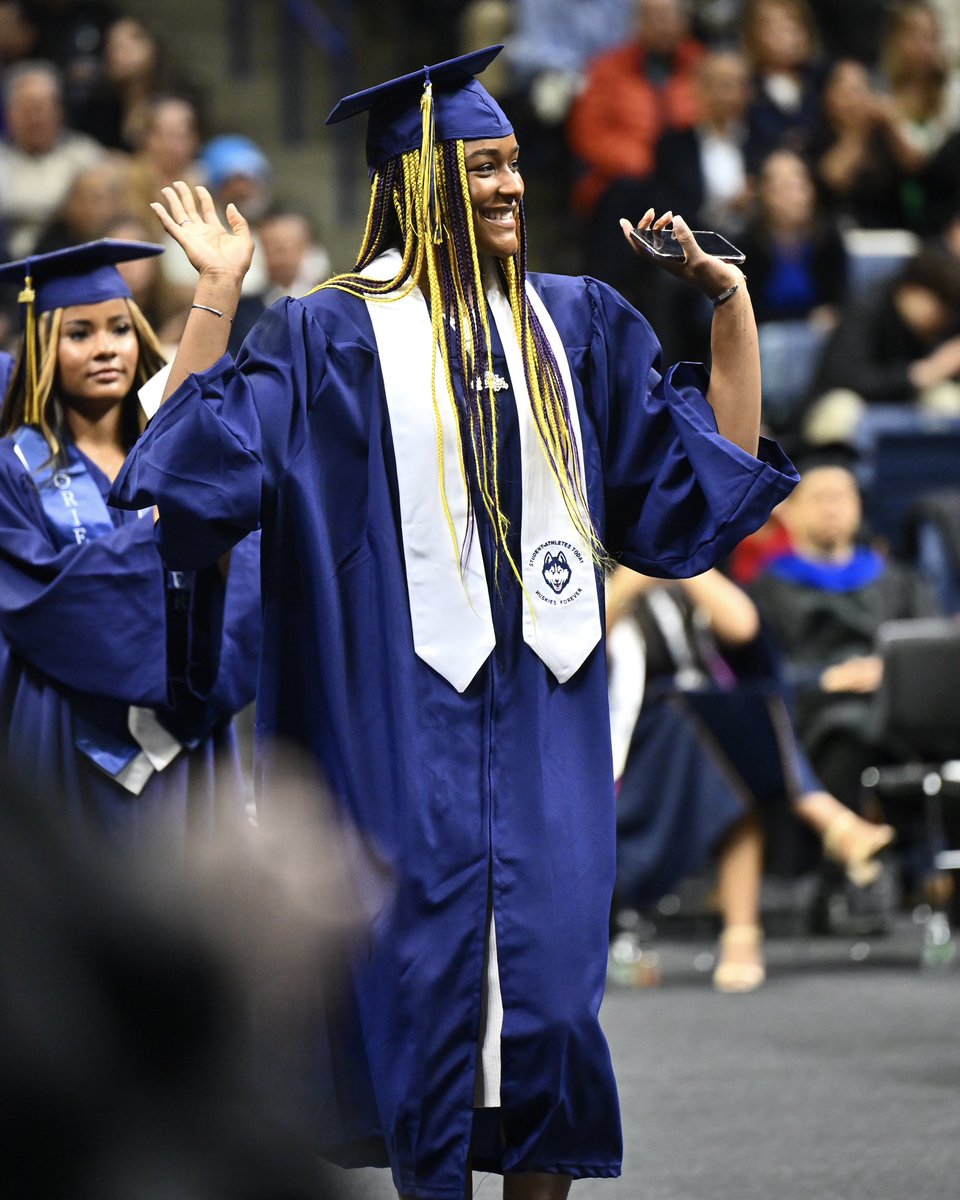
[(824, 603), (39, 155), (294, 259)]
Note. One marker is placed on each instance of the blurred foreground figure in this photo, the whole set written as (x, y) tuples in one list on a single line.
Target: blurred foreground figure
[(151, 1041)]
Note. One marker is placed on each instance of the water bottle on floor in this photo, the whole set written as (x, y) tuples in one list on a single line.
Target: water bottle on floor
[(939, 945)]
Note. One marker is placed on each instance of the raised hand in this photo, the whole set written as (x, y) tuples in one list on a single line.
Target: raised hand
[(709, 274), (191, 219)]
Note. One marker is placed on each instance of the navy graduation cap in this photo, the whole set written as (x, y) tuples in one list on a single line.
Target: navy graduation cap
[(84, 274), (462, 108)]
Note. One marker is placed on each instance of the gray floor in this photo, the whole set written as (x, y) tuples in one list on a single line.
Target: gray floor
[(838, 1080)]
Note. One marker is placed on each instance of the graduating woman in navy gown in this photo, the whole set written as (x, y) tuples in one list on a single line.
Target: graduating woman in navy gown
[(442, 451), (118, 678)]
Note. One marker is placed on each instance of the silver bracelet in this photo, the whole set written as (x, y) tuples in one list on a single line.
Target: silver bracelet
[(716, 301), (217, 313)]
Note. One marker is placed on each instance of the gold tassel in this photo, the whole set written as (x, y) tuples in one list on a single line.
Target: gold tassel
[(429, 195), (31, 407)]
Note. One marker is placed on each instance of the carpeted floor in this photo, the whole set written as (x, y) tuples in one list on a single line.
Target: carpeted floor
[(838, 1080)]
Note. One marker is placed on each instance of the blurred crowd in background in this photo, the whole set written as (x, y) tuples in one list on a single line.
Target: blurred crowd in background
[(823, 139)]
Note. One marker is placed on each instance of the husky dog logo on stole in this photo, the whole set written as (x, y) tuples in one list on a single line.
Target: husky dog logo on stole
[(556, 571)]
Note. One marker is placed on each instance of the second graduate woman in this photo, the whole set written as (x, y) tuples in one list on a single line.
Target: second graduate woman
[(443, 452), (118, 677)]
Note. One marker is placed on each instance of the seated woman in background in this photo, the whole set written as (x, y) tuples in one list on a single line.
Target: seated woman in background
[(782, 44), (922, 89), (864, 166), (712, 743), (118, 678), (796, 256), (798, 273)]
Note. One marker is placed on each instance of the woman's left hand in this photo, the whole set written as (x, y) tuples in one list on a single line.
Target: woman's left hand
[(708, 274), (190, 217)]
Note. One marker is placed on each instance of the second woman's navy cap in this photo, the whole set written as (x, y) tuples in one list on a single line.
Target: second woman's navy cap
[(463, 108), (84, 274)]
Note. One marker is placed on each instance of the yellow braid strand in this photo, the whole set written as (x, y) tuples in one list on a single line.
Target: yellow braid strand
[(546, 399), (421, 197)]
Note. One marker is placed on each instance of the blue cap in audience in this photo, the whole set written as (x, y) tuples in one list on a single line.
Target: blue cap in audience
[(232, 154)]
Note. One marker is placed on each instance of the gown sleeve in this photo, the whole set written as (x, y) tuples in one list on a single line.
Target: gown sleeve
[(91, 617), (223, 654), (217, 449), (678, 495)]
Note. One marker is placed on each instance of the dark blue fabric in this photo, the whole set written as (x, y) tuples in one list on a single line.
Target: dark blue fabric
[(674, 804), (6, 370), (504, 790), (865, 567), (83, 633)]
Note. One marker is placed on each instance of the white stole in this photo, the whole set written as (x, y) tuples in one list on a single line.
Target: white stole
[(450, 607), (450, 613), (561, 613)]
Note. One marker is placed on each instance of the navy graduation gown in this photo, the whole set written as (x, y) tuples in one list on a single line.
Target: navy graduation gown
[(504, 791), (86, 627)]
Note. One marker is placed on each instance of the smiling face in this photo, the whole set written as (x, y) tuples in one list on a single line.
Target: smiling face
[(496, 188), (97, 355)]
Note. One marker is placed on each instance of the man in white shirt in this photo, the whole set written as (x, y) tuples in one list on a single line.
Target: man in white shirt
[(39, 157)]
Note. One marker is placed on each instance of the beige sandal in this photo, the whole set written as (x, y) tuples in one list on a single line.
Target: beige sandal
[(854, 843), (738, 977)]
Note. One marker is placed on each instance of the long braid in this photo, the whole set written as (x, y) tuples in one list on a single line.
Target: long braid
[(549, 402), (461, 332)]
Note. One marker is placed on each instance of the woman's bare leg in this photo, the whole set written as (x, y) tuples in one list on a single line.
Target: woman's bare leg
[(536, 1185), (739, 873), (739, 876), (847, 837)]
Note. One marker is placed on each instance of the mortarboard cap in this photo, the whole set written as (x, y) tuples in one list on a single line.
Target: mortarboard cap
[(462, 107), (85, 274)]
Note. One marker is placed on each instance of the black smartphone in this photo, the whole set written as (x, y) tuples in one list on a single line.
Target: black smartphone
[(663, 243)]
